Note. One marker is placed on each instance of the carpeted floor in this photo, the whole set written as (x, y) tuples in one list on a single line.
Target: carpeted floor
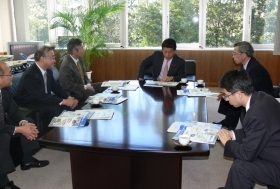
[(197, 173)]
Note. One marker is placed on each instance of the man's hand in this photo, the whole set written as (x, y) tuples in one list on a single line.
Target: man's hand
[(90, 87), (167, 78), (140, 79), (224, 135), (29, 130), (70, 102), (220, 96)]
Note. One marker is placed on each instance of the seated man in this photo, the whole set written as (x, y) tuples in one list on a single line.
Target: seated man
[(25, 130), (255, 148), (243, 55), (73, 77), (167, 65), (37, 83)]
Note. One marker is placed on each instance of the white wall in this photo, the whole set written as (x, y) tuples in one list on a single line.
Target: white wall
[(5, 25)]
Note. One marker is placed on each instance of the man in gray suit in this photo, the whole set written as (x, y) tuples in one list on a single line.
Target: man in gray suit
[(255, 148), (167, 65), (73, 77)]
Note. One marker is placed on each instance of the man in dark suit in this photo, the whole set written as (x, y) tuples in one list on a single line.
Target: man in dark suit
[(255, 148), (243, 55), (21, 127), (167, 65), (37, 83), (73, 77)]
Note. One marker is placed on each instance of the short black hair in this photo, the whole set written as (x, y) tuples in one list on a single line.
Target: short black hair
[(245, 47), (42, 52), (73, 44), (237, 80), (169, 43)]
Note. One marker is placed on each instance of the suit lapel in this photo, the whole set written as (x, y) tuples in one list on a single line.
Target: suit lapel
[(41, 78), (74, 67), (172, 65)]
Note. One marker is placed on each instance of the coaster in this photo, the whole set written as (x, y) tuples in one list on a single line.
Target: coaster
[(200, 85), (115, 92), (96, 105), (183, 148)]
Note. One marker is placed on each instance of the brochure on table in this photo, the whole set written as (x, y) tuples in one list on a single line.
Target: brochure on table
[(71, 119), (200, 132), (119, 83), (79, 118), (106, 98), (151, 83), (195, 92)]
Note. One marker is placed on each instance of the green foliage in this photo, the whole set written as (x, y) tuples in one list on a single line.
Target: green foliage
[(86, 23), (38, 22)]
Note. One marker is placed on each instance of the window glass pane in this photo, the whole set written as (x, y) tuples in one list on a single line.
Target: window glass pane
[(224, 22), (38, 20), (263, 25), (110, 29), (144, 23), (184, 17)]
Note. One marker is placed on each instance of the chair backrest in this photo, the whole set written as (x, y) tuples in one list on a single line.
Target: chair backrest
[(15, 82), (276, 90), (55, 73), (190, 69)]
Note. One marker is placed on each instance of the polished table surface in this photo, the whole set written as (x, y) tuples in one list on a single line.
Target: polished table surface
[(139, 124), (135, 142)]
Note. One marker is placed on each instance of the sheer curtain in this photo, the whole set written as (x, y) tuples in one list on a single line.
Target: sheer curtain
[(277, 33)]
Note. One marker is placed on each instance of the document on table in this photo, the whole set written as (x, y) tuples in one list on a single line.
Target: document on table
[(119, 83), (151, 83), (200, 132), (195, 92), (105, 98), (71, 119), (128, 87), (100, 113)]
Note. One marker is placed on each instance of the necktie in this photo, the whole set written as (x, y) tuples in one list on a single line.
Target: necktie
[(80, 72), (242, 68), (165, 70), (1, 110), (45, 82)]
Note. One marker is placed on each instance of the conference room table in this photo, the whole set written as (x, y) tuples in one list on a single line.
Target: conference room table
[(133, 150)]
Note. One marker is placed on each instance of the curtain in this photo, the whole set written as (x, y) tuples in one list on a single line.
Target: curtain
[(277, 33)]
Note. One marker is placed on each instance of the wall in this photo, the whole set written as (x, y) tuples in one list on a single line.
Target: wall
[(211, 64), (5, 25)]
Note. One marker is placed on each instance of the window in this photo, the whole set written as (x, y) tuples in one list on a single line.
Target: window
[(38, 20), (224, 20), (184, 21), (145, 23), (263, 25)]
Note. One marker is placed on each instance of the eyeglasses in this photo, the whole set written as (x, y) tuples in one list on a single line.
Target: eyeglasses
[(235, 54), (226, 96)]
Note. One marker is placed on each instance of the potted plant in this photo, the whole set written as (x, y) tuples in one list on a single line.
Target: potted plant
[(84, 23)]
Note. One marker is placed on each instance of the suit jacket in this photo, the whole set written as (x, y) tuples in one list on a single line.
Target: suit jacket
[(11, 109), (260, 136), (260, 76), (31, 89), (69, 76), (176, 69)]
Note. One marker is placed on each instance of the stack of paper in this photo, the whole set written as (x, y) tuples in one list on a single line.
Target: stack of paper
[(195, 92), (79, 118), (198, 131), (106, 98), (151, 83), (110, 83)]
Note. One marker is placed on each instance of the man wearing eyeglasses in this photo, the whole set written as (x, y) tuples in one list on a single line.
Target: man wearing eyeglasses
[(17, 126), (243, 56), (255, 148), (37, 83)]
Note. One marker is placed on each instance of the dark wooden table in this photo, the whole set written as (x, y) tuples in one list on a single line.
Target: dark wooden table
[(133, 149)]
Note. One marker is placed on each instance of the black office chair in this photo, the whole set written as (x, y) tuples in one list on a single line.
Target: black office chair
[(148, 75), (190, 70), (276, 90)]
